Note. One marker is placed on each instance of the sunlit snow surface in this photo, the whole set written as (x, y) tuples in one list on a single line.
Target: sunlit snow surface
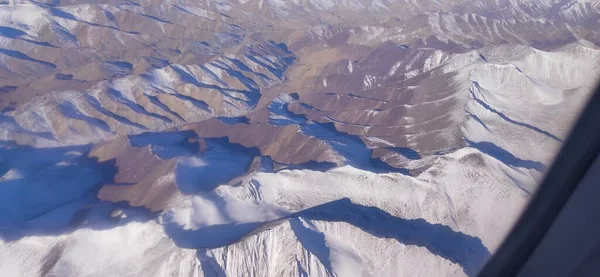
[(279, 138)]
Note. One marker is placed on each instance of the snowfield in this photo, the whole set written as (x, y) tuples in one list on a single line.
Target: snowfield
[(280, 138), (344, 221)]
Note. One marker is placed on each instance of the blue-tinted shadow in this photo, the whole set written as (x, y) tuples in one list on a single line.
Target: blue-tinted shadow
[(13, 33), (503, 116), (221, 162), (154, 100), (95, 103), (406, 152), (71, 111), (310, 165), (209, 265), (8, 89), (313, 241), (10, 121), (210, 237), (44, 188), (168, 145), (65, 77), (352, 148), (505, 156), (460, 248), (18, 55), (117, 96), (234, 120)]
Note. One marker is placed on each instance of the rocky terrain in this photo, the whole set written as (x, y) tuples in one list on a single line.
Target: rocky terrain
[(280, 138)]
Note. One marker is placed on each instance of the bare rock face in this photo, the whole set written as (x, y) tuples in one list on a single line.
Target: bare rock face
[(279, 138)]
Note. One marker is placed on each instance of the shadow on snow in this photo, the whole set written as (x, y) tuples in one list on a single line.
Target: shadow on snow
[(352, 148), (50, 191), (441, 240), (221, 162), (465, 250)]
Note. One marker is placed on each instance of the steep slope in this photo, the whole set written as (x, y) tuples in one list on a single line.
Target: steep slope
[(279, 138)]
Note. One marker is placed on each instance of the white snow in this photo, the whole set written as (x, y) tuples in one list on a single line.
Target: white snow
[(29, 15), (135, 249), (379, 140), (221, 207), (368, 81), (511, 105)]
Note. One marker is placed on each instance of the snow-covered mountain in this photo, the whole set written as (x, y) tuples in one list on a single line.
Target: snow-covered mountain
[(279, 138)]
